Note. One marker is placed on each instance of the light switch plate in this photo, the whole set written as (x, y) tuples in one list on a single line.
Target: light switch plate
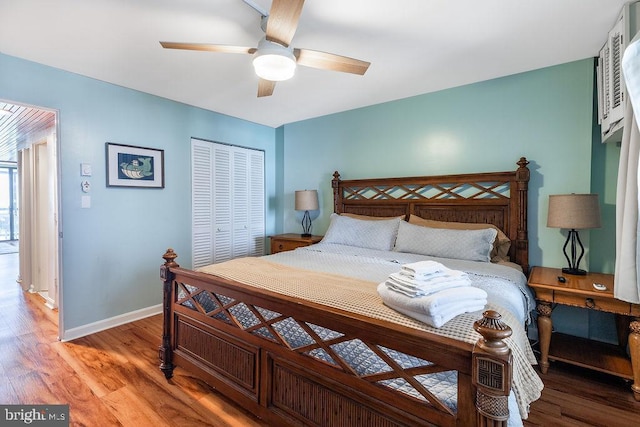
[(85, 169)]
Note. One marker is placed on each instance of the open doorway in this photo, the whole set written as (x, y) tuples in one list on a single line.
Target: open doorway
[(9, 221), (29, 142)]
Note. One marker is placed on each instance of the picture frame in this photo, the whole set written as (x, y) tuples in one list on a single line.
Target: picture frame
[(132, 166)]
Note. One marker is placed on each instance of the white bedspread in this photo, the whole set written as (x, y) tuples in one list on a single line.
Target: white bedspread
[(507, 287)]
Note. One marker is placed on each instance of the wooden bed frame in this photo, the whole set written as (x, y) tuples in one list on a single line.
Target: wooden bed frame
[(287, 386)]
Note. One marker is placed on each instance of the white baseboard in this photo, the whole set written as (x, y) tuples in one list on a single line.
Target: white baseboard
[(48, 302), (92, 328)]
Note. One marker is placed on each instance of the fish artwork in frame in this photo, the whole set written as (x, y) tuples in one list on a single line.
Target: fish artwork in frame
[(131, 166)]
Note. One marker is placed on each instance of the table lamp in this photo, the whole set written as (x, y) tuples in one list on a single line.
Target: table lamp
[(306, 200), (573, 212)]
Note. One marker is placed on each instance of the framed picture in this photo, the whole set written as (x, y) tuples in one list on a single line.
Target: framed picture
[(130, 166)]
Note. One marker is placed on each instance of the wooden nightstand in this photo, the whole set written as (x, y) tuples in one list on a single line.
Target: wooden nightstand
[(290, 241), (578, 291)]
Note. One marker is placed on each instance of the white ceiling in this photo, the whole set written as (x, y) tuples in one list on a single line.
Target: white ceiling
[(414, 46)]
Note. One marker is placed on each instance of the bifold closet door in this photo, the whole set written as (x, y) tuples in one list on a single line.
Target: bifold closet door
[(227, 202)]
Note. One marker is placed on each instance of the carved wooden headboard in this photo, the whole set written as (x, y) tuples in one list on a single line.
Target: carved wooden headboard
[(498, 198)]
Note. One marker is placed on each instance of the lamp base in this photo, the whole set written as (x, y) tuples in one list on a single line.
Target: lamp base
[(305, 235), (574, 238), (574, 271)]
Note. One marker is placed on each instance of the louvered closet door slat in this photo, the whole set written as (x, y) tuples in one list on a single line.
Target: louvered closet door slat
[(240, 203), (256, 207), (222, 209), (201, 196)]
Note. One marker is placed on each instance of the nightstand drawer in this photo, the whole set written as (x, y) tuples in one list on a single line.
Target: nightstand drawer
[(544, 295), (285, 245), (594, 303)]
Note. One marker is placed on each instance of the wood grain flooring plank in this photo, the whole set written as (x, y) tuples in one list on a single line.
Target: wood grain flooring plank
[(170, 403), (7, 393), (591, 413), (227, 413), (85, 408), (12, 362), (75, 358), (130, 410), (98, 362), (31, 389), (110, 349)]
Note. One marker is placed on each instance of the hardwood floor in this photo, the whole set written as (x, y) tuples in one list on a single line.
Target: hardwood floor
[(575, 396), (112, 378)]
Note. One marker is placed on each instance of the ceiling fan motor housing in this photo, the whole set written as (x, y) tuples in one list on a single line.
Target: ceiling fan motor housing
[(273, 61)]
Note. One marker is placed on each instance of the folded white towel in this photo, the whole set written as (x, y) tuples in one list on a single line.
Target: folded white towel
[(425, 276), (412, 291), (427, 287), (451, 276), (435, 302), (424, 267), (439, 320), (438, 308)]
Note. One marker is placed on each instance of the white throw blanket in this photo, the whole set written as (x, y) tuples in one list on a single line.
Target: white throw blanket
[(438, 308)]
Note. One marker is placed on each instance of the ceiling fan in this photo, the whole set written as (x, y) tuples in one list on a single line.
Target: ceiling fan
[(274, 60)]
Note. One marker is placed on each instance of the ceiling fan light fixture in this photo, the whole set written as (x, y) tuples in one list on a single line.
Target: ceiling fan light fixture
[(274, 62)]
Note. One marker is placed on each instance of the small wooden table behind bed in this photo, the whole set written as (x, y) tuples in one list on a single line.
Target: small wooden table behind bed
[(287, 386)]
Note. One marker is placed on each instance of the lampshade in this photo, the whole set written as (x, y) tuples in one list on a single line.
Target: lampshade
[(274, 62), (573, 211), (4, 112), (306, 200)]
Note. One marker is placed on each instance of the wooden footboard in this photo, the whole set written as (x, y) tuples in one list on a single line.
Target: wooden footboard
[(231, 335)]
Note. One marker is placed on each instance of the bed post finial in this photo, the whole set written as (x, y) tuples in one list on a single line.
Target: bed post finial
[(164, 352), (523, 162), (337, 193), (170, 258), (492, 370), (522, 239)]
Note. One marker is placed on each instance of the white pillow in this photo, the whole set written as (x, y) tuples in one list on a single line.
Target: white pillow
[(472, 245), (379, 234)]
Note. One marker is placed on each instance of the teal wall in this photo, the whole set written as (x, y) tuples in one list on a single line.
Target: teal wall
[(111, 252), (544, 115)]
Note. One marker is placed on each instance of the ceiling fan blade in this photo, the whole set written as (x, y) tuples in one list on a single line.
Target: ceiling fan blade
[(208, 47), (330, 61), (283, 20), (265, 87)]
